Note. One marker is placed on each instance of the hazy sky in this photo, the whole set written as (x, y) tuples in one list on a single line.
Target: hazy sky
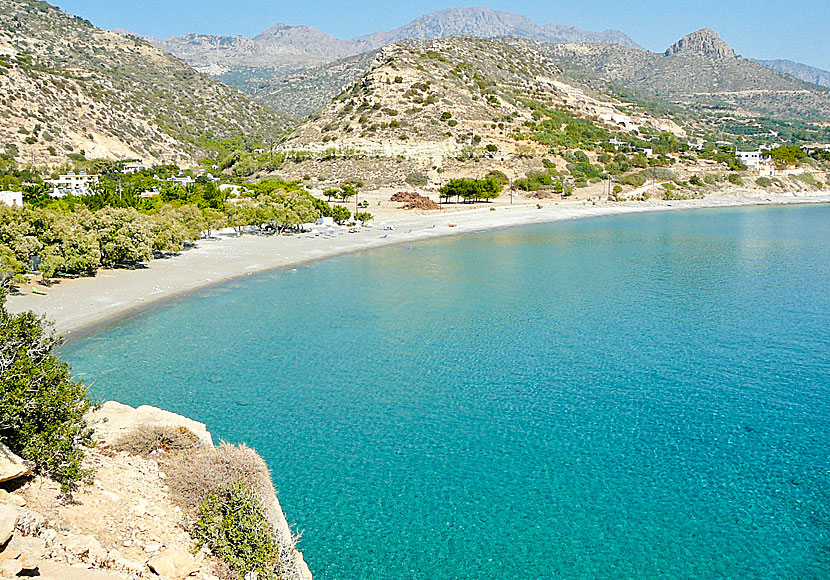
[(797, 30)]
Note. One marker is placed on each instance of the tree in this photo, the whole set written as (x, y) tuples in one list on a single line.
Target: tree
[(42, 410), (124, 235), (471, 189), (340, 214), (214, 220), (347, 191), (787, 156)]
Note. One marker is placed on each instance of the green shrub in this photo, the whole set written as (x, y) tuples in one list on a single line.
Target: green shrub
[(735, 179), (417, 178), (807, 179), (233, 525), (363, 216), (41, 408), (764, 182), (499, 176)]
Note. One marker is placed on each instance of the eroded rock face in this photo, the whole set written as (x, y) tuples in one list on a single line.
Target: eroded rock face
[(175, 564), (8, 522), (705, 41), (114, 420), (11, 466)]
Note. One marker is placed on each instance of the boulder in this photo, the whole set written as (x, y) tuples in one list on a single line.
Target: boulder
[(12, 498), (49, 570), (114, 420), (174, 564), (86, 548), (11, 466), (32, 547), (10, 568), (8, 522)]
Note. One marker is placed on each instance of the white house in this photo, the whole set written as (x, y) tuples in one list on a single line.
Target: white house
[(751, 159), (12, 198), (133, 167), (182, 180), (150, 193), (72, 184)]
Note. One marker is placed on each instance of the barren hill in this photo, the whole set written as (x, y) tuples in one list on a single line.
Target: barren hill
[(700, 69), (67, 87)]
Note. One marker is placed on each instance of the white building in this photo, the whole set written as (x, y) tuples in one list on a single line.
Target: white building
[(182, 180), (12, 198), (72, 184), (133, 167), (751, 159)]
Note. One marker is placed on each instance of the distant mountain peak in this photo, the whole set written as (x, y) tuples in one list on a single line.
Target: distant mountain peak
[(705, 42)]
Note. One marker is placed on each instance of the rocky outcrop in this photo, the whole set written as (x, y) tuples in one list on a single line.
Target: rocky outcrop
[(125, 526), (11, 466), (704, 42), (114, 420)]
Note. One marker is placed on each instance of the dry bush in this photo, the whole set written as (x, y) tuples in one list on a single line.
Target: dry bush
[(193, 475), (145, 439)]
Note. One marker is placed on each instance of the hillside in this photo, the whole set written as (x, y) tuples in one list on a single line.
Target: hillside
[(246, 62), (700, 69), (301, 93), (430, 100), (801, 71), (71, 88)]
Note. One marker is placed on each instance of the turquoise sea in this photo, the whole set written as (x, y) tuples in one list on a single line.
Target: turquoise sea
[(629, 397)]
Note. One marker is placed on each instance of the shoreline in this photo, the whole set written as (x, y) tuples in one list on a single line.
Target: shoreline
[(79, 307)]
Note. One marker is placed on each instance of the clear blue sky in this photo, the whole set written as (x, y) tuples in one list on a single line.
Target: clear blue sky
[(797, 30)]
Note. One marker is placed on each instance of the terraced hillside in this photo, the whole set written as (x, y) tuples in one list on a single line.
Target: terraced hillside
[(69, 88)]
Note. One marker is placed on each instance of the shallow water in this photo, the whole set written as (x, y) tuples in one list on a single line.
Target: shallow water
[(638, 396)]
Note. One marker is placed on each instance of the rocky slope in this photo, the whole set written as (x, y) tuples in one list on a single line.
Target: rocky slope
[(432, 99), (123, 527), (700, 69), (798, 70), (67, 87)]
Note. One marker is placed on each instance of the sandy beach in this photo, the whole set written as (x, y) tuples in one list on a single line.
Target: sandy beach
[(79, 305)]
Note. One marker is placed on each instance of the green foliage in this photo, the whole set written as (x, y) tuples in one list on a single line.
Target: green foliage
[(787, 155), (340, 214), (417, 178), (764, 182), (807, 179), (233, 525), (735, 179), (363, 216), (499, 176), (471, 189), (41, 408), (725, 155), (558, 128)]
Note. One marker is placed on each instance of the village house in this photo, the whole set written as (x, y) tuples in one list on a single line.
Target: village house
[(133, 167), (182, 180), (752, 159), (12, 198), (72, 184)]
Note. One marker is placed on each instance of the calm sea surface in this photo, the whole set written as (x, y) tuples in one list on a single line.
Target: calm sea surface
[(626, 397)]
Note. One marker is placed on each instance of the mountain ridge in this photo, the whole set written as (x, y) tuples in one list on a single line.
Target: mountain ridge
[(283, 49)]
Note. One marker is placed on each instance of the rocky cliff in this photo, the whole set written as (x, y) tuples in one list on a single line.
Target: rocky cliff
[(128, 524)]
